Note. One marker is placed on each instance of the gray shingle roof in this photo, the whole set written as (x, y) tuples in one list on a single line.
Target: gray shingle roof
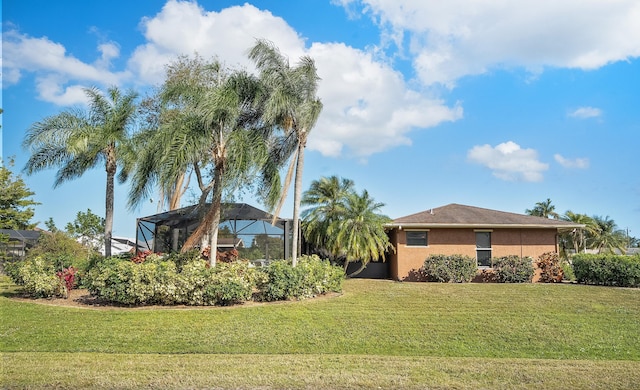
[(457, 215)]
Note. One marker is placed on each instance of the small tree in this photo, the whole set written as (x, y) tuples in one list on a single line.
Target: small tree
[(88, 228), (16, 204)]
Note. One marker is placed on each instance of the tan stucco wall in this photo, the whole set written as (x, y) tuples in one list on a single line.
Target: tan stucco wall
[(522, 242)]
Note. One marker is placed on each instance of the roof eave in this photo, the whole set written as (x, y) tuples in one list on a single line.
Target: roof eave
[(479, 226)]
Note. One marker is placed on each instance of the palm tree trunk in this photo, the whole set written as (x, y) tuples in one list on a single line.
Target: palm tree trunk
[(211, 221), (285, 187), (296, 201), (216, 205), (176, 194), (356, 272), (108, 218)]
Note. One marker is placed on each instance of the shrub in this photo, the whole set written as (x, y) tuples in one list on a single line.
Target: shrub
[(513, 269), (68, 277), (607, 269), (37, 277), (312, 276), (449, 269), (567, 271), (123, 281), (551, 270), (157, 281)]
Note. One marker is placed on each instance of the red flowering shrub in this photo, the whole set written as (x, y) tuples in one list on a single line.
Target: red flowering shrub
[(142, 256), (225, 257), (228, 256), (550, 268), (68, 277)]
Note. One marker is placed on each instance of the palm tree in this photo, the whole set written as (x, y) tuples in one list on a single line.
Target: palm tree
[(608, 237), (175, 141), (293, 107), (578, 236), (208, 125), (360, 231), (77, 140), (326, 198), (544, 209), (236, 148)]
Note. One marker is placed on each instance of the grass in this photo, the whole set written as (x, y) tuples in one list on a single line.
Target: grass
[(378, 334)]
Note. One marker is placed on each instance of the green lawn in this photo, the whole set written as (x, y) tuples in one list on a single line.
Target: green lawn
[(378, 334)]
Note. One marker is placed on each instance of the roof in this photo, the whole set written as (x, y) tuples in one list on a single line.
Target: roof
[(22, 235), (229, 211), (458, 216)]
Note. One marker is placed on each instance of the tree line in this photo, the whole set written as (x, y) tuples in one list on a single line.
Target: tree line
[(599, 233)]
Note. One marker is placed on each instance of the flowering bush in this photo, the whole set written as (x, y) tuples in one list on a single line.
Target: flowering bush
[(68, 277), (146, 256)]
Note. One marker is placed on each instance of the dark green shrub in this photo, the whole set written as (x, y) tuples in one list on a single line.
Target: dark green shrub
[(567, 271), (550, 266), (449, 268), (312, 276), (607, 269), (513, 269)]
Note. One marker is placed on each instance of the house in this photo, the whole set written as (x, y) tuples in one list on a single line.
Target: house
[(472, 231)]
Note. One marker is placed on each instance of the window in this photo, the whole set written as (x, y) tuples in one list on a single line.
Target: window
[(416, 237), (483, 249)]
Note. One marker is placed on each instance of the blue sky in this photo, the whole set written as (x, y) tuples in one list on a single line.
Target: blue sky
[(491, 104)]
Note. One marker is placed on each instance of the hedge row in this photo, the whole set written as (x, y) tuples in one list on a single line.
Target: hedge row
[(607, 269), (152, 279), (460, 269)]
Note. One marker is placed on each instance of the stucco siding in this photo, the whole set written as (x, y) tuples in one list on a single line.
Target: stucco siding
[(448, 241)]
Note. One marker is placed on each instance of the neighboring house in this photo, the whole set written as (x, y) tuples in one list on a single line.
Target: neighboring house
[(120, 245), (471, 231)]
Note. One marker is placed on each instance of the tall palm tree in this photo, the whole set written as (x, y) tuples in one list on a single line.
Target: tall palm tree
[(360, 231), (293, 107), (78, 140), (236, 148), (608, 237), (175, 141), (544, 209), (209, 125), (326, 199)]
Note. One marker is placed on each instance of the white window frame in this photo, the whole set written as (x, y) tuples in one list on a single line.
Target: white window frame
[(489, 249)]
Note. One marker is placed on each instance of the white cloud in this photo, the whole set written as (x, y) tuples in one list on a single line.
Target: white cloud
[(54, 67), (368, 106), (184, 28), (456, 38), (586, 112), (508, 161), (578, 163)]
